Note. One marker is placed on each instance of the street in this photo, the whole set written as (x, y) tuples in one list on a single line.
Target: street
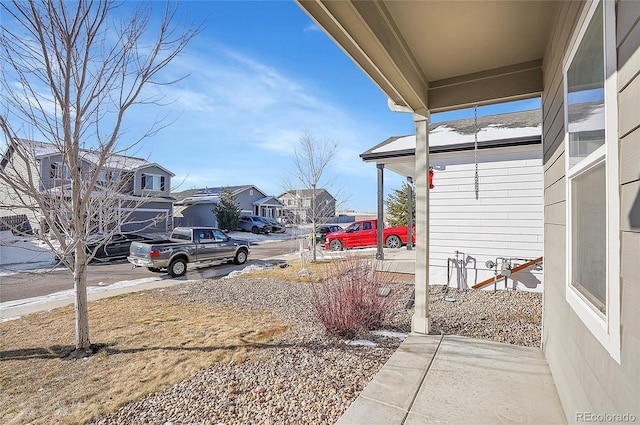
[(34, 284)]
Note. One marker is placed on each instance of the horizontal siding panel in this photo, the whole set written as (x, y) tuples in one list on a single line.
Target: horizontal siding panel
[(629, 53), (555, 171), (469, 193), (503, 236), (630, 157), (630, 207), (554, 126), (629, 118), (555, 193), (484, 252), (497, 201), (628, 13), (491, 223), (499, 174), (482, 246), (491, 169), (533, 229), (487, 216), (485, 208), (556, 213)]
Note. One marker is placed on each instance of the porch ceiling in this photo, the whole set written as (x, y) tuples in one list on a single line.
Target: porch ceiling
[(441, 55)]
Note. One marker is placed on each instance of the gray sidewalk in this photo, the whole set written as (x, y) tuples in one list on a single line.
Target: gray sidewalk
[(457, 380)]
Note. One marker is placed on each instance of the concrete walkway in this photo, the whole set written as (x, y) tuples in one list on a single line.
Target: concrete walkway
[(457, 380)]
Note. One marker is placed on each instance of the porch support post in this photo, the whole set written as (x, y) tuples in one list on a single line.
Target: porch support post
[(420, 321), (409, 213), (379, 227)]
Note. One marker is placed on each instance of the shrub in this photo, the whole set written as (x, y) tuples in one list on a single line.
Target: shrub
[(227, 211), (347, 301)]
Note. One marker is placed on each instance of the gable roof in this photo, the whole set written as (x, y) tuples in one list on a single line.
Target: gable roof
[(268, 200), (116, 162), (500, 130), (304, 193), (213, 191)]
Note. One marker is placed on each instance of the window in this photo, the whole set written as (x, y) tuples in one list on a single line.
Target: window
[(109, 176), (220, 236), (592, 184), (152, 182), (58, 170)]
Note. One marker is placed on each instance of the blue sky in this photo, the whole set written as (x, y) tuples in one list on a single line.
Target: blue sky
[(260, 75)]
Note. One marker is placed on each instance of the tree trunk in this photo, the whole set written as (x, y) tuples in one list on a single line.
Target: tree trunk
[(81, 305)]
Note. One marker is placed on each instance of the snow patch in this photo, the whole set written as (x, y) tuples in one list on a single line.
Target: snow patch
[(249, 269), (390, 334), (362, 343)]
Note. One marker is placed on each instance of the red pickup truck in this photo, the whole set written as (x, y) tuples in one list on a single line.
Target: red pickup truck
[(363, 233)]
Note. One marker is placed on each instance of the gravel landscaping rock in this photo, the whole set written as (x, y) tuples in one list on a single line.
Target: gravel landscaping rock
[(306, 376)]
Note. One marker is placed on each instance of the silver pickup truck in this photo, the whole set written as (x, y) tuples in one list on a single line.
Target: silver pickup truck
[(188, 245)]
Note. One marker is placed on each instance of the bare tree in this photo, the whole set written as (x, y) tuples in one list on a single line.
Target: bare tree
[(311, 159), (71, 72)]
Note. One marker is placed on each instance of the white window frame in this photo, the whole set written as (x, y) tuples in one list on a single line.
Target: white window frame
[(61, 171), (605, 328), (154, 178)]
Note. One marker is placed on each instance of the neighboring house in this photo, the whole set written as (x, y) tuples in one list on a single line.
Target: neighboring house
[(143, 198), (583, 59), (194, 207), (299, 204), (505, 222)]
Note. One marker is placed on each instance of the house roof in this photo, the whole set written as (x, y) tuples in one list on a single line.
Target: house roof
[(115, 162), (268, 200), (493, 131), (441, 55), (304, 193), (213, 191)]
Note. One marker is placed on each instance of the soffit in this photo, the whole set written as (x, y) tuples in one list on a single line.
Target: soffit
[(457, 52)]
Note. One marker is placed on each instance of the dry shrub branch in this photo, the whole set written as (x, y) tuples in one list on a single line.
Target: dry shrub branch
[(351, 298)]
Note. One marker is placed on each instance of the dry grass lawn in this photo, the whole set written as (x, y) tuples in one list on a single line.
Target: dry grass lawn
[(295, 271), (151, 342)]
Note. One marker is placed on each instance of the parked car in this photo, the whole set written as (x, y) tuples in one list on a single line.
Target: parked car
[(364, 233), (324, 229), (253, 224), (276, 226), (118, 246), (204, 245)]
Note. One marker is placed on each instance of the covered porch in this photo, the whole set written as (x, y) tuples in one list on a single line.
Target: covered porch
[(439, 56)]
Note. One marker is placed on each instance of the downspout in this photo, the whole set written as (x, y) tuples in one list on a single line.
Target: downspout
[(380, 223)]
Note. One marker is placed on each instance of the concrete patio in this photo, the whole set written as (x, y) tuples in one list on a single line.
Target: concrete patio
[(457, 380)]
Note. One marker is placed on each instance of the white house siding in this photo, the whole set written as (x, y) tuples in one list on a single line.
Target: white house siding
[(589, 379), (505, 221), (10, 201)]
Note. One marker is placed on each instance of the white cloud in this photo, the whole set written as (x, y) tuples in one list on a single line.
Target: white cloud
[(312, 28)]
